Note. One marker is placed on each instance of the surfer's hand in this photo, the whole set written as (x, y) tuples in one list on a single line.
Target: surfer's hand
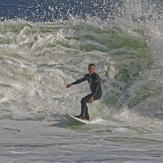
[(91, 100), (68, 85)]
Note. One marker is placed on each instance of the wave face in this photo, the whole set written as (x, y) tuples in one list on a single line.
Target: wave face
[(37, 60)]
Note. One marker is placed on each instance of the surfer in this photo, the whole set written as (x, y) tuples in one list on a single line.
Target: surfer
[(95, 87)]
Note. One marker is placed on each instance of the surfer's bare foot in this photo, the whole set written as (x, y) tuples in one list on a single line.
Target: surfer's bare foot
[(80, 117), (87, 118)]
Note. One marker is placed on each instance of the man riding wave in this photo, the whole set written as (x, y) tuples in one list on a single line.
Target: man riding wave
[(95, 87)]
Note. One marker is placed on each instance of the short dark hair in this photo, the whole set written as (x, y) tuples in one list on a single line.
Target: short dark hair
[(91, 64)]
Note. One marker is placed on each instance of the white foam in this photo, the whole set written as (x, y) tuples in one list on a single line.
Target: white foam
[(98, 121)]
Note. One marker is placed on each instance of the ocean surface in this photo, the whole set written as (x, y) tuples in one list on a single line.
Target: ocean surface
[(46, 44)]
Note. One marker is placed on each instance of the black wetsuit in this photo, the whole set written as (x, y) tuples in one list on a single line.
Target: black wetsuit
[(96, 92)]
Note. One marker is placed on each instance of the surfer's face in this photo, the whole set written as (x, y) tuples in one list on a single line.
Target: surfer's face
[(91, 69)]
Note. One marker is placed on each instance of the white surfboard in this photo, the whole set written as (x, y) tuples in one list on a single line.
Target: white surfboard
[(75, 119)]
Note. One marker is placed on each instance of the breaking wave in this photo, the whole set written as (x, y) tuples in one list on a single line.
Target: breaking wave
[(37, 60)]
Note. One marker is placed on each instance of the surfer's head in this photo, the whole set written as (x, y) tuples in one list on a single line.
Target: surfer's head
[(91, 68)]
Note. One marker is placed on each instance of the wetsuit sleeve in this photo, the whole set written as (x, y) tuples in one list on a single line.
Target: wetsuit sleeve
[(97, 86), (80, 80)]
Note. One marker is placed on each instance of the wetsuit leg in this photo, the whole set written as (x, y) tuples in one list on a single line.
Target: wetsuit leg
[(84, 108), (86, 113)]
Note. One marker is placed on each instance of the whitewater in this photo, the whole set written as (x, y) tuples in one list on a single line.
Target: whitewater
[(38, 59)]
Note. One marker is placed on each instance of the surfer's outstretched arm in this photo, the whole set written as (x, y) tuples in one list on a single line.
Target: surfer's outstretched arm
[(77, 82)]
